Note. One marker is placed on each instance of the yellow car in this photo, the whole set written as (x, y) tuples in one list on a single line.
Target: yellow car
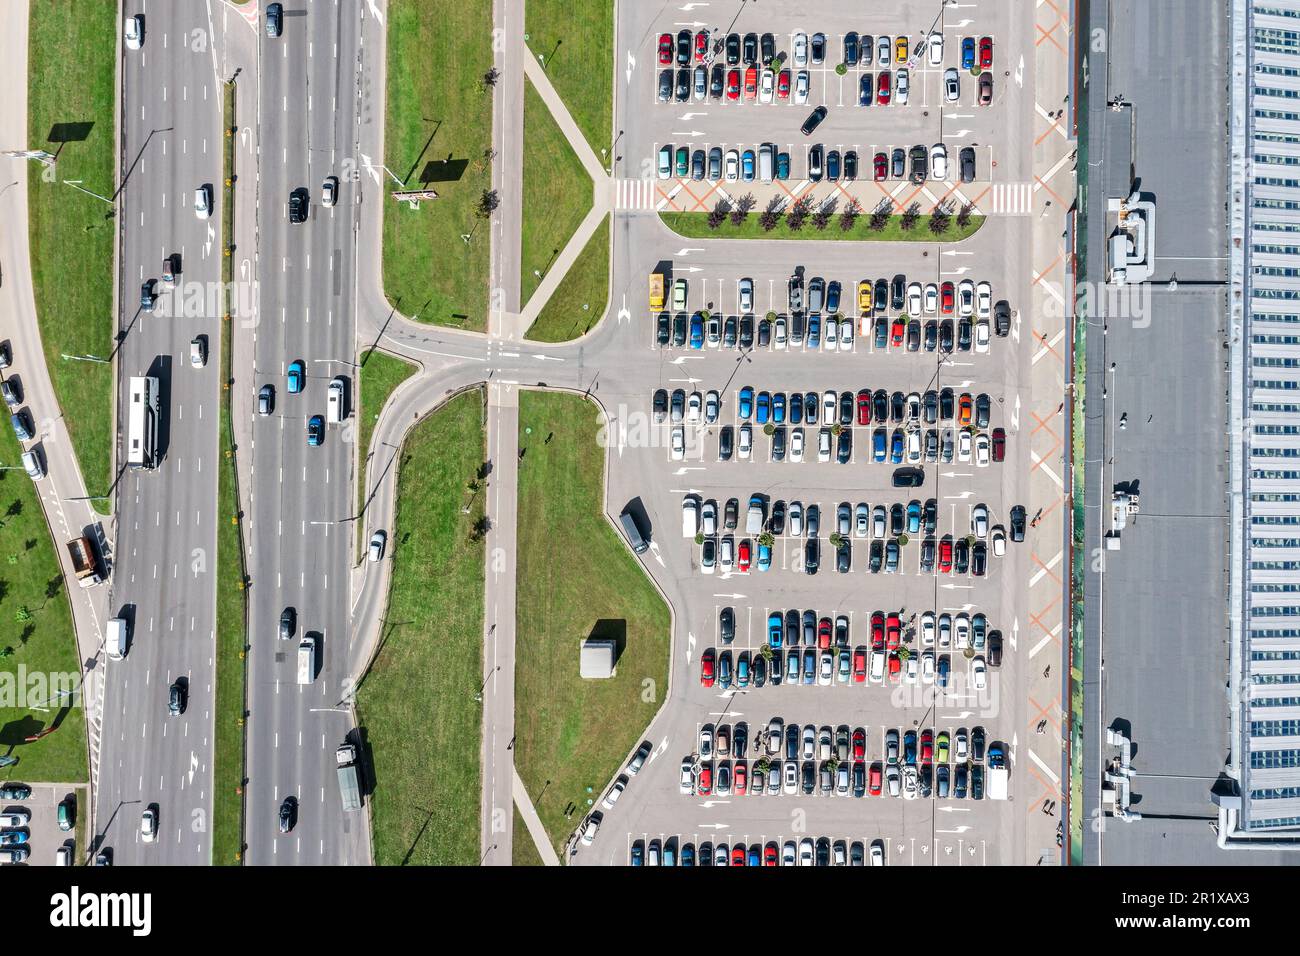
[(864, 296), (900, 49)]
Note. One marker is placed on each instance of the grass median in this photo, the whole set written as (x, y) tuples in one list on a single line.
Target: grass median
[(438, 133), (377, 377), (579, 300), (70, 113), (38, 646), (417, 704), (695, 225), (582, 71), (557, 193), (576, 578)]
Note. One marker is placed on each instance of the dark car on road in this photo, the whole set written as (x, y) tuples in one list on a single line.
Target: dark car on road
[(909, 477), (274, 20), (298, 205), (813, 121)]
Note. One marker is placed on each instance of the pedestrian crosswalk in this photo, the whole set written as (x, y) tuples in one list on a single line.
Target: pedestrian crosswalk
[(639, 193), (1013, 199)]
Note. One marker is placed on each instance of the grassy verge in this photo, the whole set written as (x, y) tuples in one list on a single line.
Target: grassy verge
[(416, 704), (70, 113), (523, 851), (577, 43), (438, 108), (557, 193), (378, 375), (580, 299), (576, 576), (38, 647), (695, 225), (232, 623)]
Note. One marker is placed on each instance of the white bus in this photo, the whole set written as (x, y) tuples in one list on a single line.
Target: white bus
[(142, 423)]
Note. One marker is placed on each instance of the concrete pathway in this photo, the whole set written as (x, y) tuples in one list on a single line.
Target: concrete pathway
[(534, 823)]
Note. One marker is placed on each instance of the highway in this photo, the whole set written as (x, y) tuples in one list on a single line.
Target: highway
[(163, 580), (301, 532)]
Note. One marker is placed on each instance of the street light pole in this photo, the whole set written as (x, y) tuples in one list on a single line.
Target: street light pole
[(83, 358), (76, 184)]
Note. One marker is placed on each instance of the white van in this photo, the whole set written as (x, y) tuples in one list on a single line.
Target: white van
[(765, 160), (307, 660), (690, 516), (115, 639), (334, 401)]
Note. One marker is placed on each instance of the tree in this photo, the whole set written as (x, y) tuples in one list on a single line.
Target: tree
[(765, 539), (797, 215), (880, 215), (767, 220), (488, 203), (742, 210), (836, 539), (910, 217), (849, 217), (940, 220), (718, 214), (821, 218), (490, 78), (964, 215)]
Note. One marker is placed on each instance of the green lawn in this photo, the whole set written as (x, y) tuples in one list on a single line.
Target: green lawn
[(378, 375), (523, 851), (582, 72), (580, 300), (557, 193), (71, 83), (695, 225), (576, 573), (438, 109), (37, 641), (416, 705)]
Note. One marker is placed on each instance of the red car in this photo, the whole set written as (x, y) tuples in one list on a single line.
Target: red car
[(733, 84), (744, 556), (738, 855), (893, 632), (945, 556), (877, 630), (946, 298), (864, 407), (824, 633), (739, 778), (999, 444), (701, 45), (895, 667), (751, 82), (927, 746), (882, 88), (874, 779), (881, 166), (665, 49), (783, 85), (986, 52), (896, 332), (859, 743), (706, 668), (705, 785), (769, 855), (859, 665)]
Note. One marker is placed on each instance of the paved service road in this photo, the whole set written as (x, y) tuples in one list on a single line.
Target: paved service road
[(302, 501), (163, 578)]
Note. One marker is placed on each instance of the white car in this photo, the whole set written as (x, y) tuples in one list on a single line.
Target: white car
[(694, 408), (712, 407), (590, 829), (198, 353), (15, 818), (910, 787), (790, 780), (806, 851), (931, 298), (884, 50), (824, 444), (665, 169), (938, 162), (766, 86), (745, 442), (982, 449), (998, 538), (979, 518), (927, 629), (732, 166), (788, 854), (149, 825), (706, 742), (831, 341), (981, 335), (912, 671), (796, 519), (778, 335), (203, 201), (727, 554), (687, 784), (951, 85), (32, 465), (799, 49), (878, 517), (902, 85), (877, 854), (830, 406), (960, 741), (978, 673), (376, 550), (709, 519), (961, 628), (963, 445), (133, 32), (877, 667), (846, 335), (914, 299), (914, 445), (927, 667), (966, 297), (945, 630), (825, 672), (801, 84), (615, 792), (984, 300), (796, 445), (935, 48), (679, 443), (746, 289)]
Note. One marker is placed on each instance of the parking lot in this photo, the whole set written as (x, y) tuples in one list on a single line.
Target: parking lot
[(35, 821), (924, 377)]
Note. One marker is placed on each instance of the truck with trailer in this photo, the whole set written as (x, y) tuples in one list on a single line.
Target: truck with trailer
[(84, 564), (349, 779), (656, 291), (997, 772)]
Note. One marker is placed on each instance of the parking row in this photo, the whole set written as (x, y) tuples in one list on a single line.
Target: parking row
[(888, 630), (805, 851), (767, 162), (860, 666)]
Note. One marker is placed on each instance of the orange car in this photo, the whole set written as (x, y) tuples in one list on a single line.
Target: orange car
[(964, 407)]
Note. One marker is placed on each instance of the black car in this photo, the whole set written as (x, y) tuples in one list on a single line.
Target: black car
[(977, 743), (778, 443), (931, 335), (995, 649), (764, 335), (977, 782), (850, 165), (846, 409), (898, 163), (808, 777), (865, 93), (880, 295), (966, 162), (288, 814), (679, 330), (733, 49), (920, 159), (14, 791), (945, 335), (898, 406), (730, 511), (979, 559), (930, 407), (147, 297), (288, 623), (844, 446), (750, 53), (776, 524), (909, 477), (963, 334), (930, 516), (927, 555), (715, 81), (683, 47), (817, 48), (664, 334), (960, 556), (897, 519), (727, 625), (767, 48), (880, 405), (983, 405), (898, 292), (959, 788), (274, 20), (298, 205), (842, 559), (877, 557), (747, 331), (813, 121), (725, 443), (914, 335), (811, 557), (792, 639), (176, 698), (683, 85), (697, 165), (1002, 318), (833, 165), (665, 85), (946, 404), (661, 405), (850, 49)]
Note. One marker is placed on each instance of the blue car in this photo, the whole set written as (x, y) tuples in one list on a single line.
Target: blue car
[(764, 557), (747, 166), (809, 665), (968, 53), (942, 671), (742, 669), (638, 854), (792, 664), (782, 165), (315, 430), (688, 854), (814, 331), (764, 408), (796, 409), (896, 448), (746, 403), (13, 837), (297, 376), (914, 517), (753, 859), (724, 669), (833, 296), (778, 407), (697, 331), (774, 629), (878, 444), (810, 405)]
